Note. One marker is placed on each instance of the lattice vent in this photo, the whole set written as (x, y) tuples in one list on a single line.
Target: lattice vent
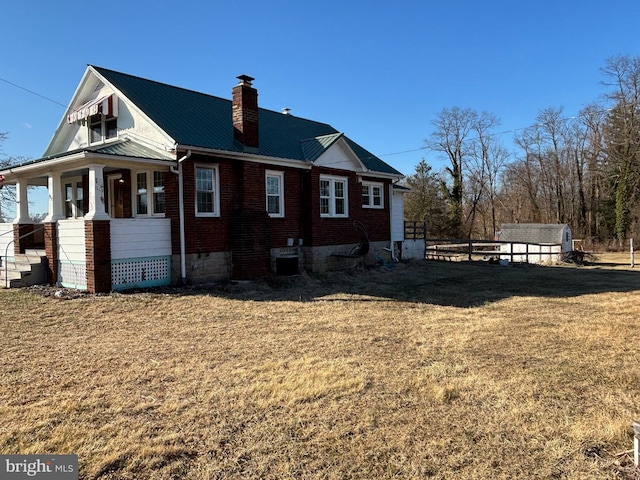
[(73, 274), (140, 271)]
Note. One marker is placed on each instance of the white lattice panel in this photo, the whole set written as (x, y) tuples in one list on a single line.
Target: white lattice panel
[(140, 271), (72, 274)]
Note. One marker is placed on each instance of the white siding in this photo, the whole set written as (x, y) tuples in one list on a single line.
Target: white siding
[(397, 217), (413, 249), (6, 236), (567, 240), (523, 253), (71, 241), (72, 254), (339, 156), (140, 238)]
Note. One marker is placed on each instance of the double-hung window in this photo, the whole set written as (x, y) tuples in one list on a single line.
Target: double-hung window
[(333, 196), (372, 196), (149, 193), (207, 191), (274, 186), (102, 127), (73, 198)]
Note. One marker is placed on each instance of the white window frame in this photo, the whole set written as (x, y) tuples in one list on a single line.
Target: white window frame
[(370, 196), (332, 197), (280, 176), (103, 129), (76, 185), (216, 189), (150, 192)]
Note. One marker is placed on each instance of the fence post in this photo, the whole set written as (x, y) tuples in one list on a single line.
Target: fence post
[(636, 443), (470, 248), (631, 252)]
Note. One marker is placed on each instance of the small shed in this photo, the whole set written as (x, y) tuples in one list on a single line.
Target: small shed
[(534, 242)]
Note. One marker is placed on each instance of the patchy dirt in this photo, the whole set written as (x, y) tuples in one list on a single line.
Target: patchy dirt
[(59, 293)]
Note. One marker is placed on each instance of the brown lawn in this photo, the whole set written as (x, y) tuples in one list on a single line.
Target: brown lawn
[(424, 370)]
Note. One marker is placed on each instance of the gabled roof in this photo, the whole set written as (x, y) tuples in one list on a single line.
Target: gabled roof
[(532, 232), (199, 120), (312, 148)]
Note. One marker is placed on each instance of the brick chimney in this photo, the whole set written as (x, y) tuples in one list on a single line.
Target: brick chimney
[(244, 112)]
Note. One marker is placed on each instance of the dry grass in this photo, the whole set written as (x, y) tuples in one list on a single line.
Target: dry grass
[(427, 370)]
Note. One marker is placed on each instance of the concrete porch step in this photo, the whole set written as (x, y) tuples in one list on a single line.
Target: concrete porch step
[(15, 279), (23, 270)]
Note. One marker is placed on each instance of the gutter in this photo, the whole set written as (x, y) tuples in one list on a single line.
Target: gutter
[(248, 156), (285, 162), (183, 252)]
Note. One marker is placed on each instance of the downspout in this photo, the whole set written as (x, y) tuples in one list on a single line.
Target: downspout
[(391, 246), (183, 252)]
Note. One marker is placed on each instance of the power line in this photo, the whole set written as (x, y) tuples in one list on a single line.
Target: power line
[(514, 130), (495, 134), (33, 93)]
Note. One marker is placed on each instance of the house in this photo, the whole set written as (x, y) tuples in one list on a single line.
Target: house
[(534, 242), (151, 184)]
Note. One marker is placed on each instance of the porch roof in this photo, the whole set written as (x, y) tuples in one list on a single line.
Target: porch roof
[(122, 149)]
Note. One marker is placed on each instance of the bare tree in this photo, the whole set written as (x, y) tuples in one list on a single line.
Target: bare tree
[(622, 136), (475, 157), (7, 193), (484, 164), (453, 127)]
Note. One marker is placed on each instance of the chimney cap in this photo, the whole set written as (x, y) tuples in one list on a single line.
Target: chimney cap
[(245, 80), (286, 111)]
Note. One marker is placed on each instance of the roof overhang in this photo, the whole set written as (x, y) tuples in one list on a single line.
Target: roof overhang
[(40, 169), (249, 157), (284, 162)]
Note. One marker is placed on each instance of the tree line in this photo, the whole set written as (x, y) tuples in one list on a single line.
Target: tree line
[(583, 171)]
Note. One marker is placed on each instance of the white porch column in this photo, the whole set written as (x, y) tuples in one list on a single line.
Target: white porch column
[(97, 209), (54, 185), (22, 202)]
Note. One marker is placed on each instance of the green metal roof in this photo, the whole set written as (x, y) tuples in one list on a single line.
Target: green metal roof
[(127, 148), (200, 120), (130, 149), (312, 148)]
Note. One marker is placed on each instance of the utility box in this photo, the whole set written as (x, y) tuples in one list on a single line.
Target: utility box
[(287, 265)]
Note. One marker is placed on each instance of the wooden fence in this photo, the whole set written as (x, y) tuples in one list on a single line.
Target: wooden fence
[(415, 230), (473, 249), (461, 249)]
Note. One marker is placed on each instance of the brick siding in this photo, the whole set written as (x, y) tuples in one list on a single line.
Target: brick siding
[(51, 250), (98, 247), (245, 230)]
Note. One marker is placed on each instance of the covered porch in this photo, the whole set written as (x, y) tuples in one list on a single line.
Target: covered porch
[(105, 227)]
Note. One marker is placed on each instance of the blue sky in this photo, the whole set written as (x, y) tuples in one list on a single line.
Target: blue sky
[(378, 71)]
